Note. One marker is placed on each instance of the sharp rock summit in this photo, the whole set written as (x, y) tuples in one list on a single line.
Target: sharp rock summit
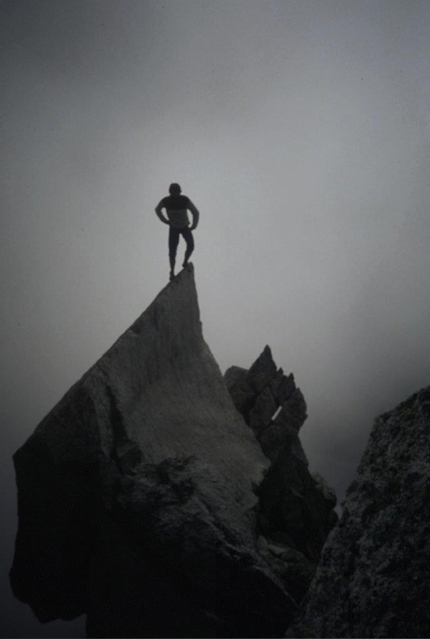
[(160, 499)]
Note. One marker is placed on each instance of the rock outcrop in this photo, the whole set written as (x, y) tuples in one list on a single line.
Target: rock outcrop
[(374, 575), (136, 494), (147, 503), (296, 509)]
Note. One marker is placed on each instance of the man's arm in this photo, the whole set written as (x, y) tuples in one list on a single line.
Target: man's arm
[(194, 213), (158, 210)]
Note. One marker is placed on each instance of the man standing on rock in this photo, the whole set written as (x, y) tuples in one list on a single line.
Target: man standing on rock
[(177, 207)]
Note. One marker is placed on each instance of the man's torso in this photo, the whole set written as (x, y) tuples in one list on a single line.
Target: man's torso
[(176, 207)]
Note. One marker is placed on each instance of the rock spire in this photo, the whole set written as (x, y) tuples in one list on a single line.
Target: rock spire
[(157, 503), (296, 509), (136, 494)]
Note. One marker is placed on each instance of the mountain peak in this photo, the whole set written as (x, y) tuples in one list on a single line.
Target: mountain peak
[(136, 493)]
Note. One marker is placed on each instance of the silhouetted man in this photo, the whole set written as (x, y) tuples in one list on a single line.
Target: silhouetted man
[(177, 207)]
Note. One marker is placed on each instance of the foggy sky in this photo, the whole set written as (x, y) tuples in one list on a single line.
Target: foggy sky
[(299, 128)]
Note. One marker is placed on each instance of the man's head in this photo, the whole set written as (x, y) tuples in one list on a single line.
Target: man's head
[(174, 189)]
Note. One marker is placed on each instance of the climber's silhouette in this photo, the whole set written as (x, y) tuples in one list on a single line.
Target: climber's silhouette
[(177, 207)]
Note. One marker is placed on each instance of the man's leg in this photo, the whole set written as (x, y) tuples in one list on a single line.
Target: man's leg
[(188, 237), (173, 245)]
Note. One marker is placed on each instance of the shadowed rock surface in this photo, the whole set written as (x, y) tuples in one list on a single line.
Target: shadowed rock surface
[(296, 509), (374, 575), (136, 493)]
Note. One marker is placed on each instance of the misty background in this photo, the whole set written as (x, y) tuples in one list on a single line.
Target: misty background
[(299, 128)]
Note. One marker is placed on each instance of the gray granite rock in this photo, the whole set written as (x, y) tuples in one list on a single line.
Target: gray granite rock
[(296, 509), (293, 412), (260, 416), (235, 375), (262, 372), (374, 575), (136, 494), (269, 401), (291, 566)]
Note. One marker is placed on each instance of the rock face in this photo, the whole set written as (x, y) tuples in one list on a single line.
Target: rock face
[(296, 509), (154, 504), (374, 576), (136, 494)]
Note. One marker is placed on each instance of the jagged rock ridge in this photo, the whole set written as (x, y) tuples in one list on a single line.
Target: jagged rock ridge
[(374, 575), (296, 509), (137, 493)]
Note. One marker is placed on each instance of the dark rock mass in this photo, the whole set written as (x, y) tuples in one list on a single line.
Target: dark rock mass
[(147, 503), (296, 509), (374, 575)]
